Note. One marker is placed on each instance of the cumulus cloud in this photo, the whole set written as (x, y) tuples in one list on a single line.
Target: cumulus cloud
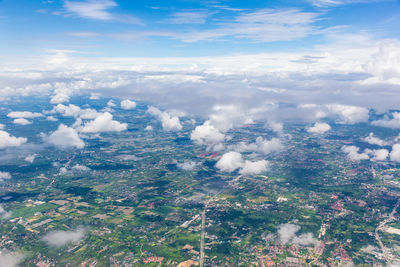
[(95, 96), (65, 137), (389, 123), (304, 239), (225, 117), (10, 259), (188, 165), (30, 158), (168, 122), (380, 154), (80, 168), (344, 114), (232, 161), (319, 128), (6, 140), (74, 111), (51, 118), (128, 104), (67, 111), (373, 140), (352, 153), (59, 97), (288, 233), (207, 134), (104, 123), (275, 126), (148, 128), (262, 146), (111, 103), (349, 114), (22, 121), (4, 214), (254, 167), (61, 238), (395, 153), (24, 114), (4, 176)]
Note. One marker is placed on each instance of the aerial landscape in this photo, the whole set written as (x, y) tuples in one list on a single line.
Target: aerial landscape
[(200, 133)]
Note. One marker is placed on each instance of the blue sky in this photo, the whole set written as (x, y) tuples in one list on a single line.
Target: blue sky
[(185, 28)]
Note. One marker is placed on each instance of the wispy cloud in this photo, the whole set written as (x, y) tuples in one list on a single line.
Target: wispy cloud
[(332, 3), (98, 10), (263, 25), (189, 17)]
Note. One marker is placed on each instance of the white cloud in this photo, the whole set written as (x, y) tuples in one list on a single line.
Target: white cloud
[(98, 10), (51, 118), (91, 9), (65, 137), (352, 153), (168, 122), (111, 103), (225, 117), (373, 140), (254, 167), (4, 214), (319, 128), (325, 3), (6, 140), (104, 123), (68, 111), (1, 126), (4, 176), (22, 121), (24, 114), (74, 111), (61, 238), (148, 128), (262, 25), (344, 114), (262, 146), (395, 153), (207, 134), (275, 126), (10, 259), (389, 123), (304, 239), (230, 162), (30, 158), (95, 96), (80, 168), (287, 231), (188, 17), (59, 97), (380, 154), (128, 104), (188, 165), (349, 114)]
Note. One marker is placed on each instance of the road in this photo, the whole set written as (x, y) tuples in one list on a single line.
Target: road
[(380, 227), (203, 221)]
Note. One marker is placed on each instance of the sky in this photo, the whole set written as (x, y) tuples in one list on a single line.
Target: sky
[(194, 56), (187, 28)]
